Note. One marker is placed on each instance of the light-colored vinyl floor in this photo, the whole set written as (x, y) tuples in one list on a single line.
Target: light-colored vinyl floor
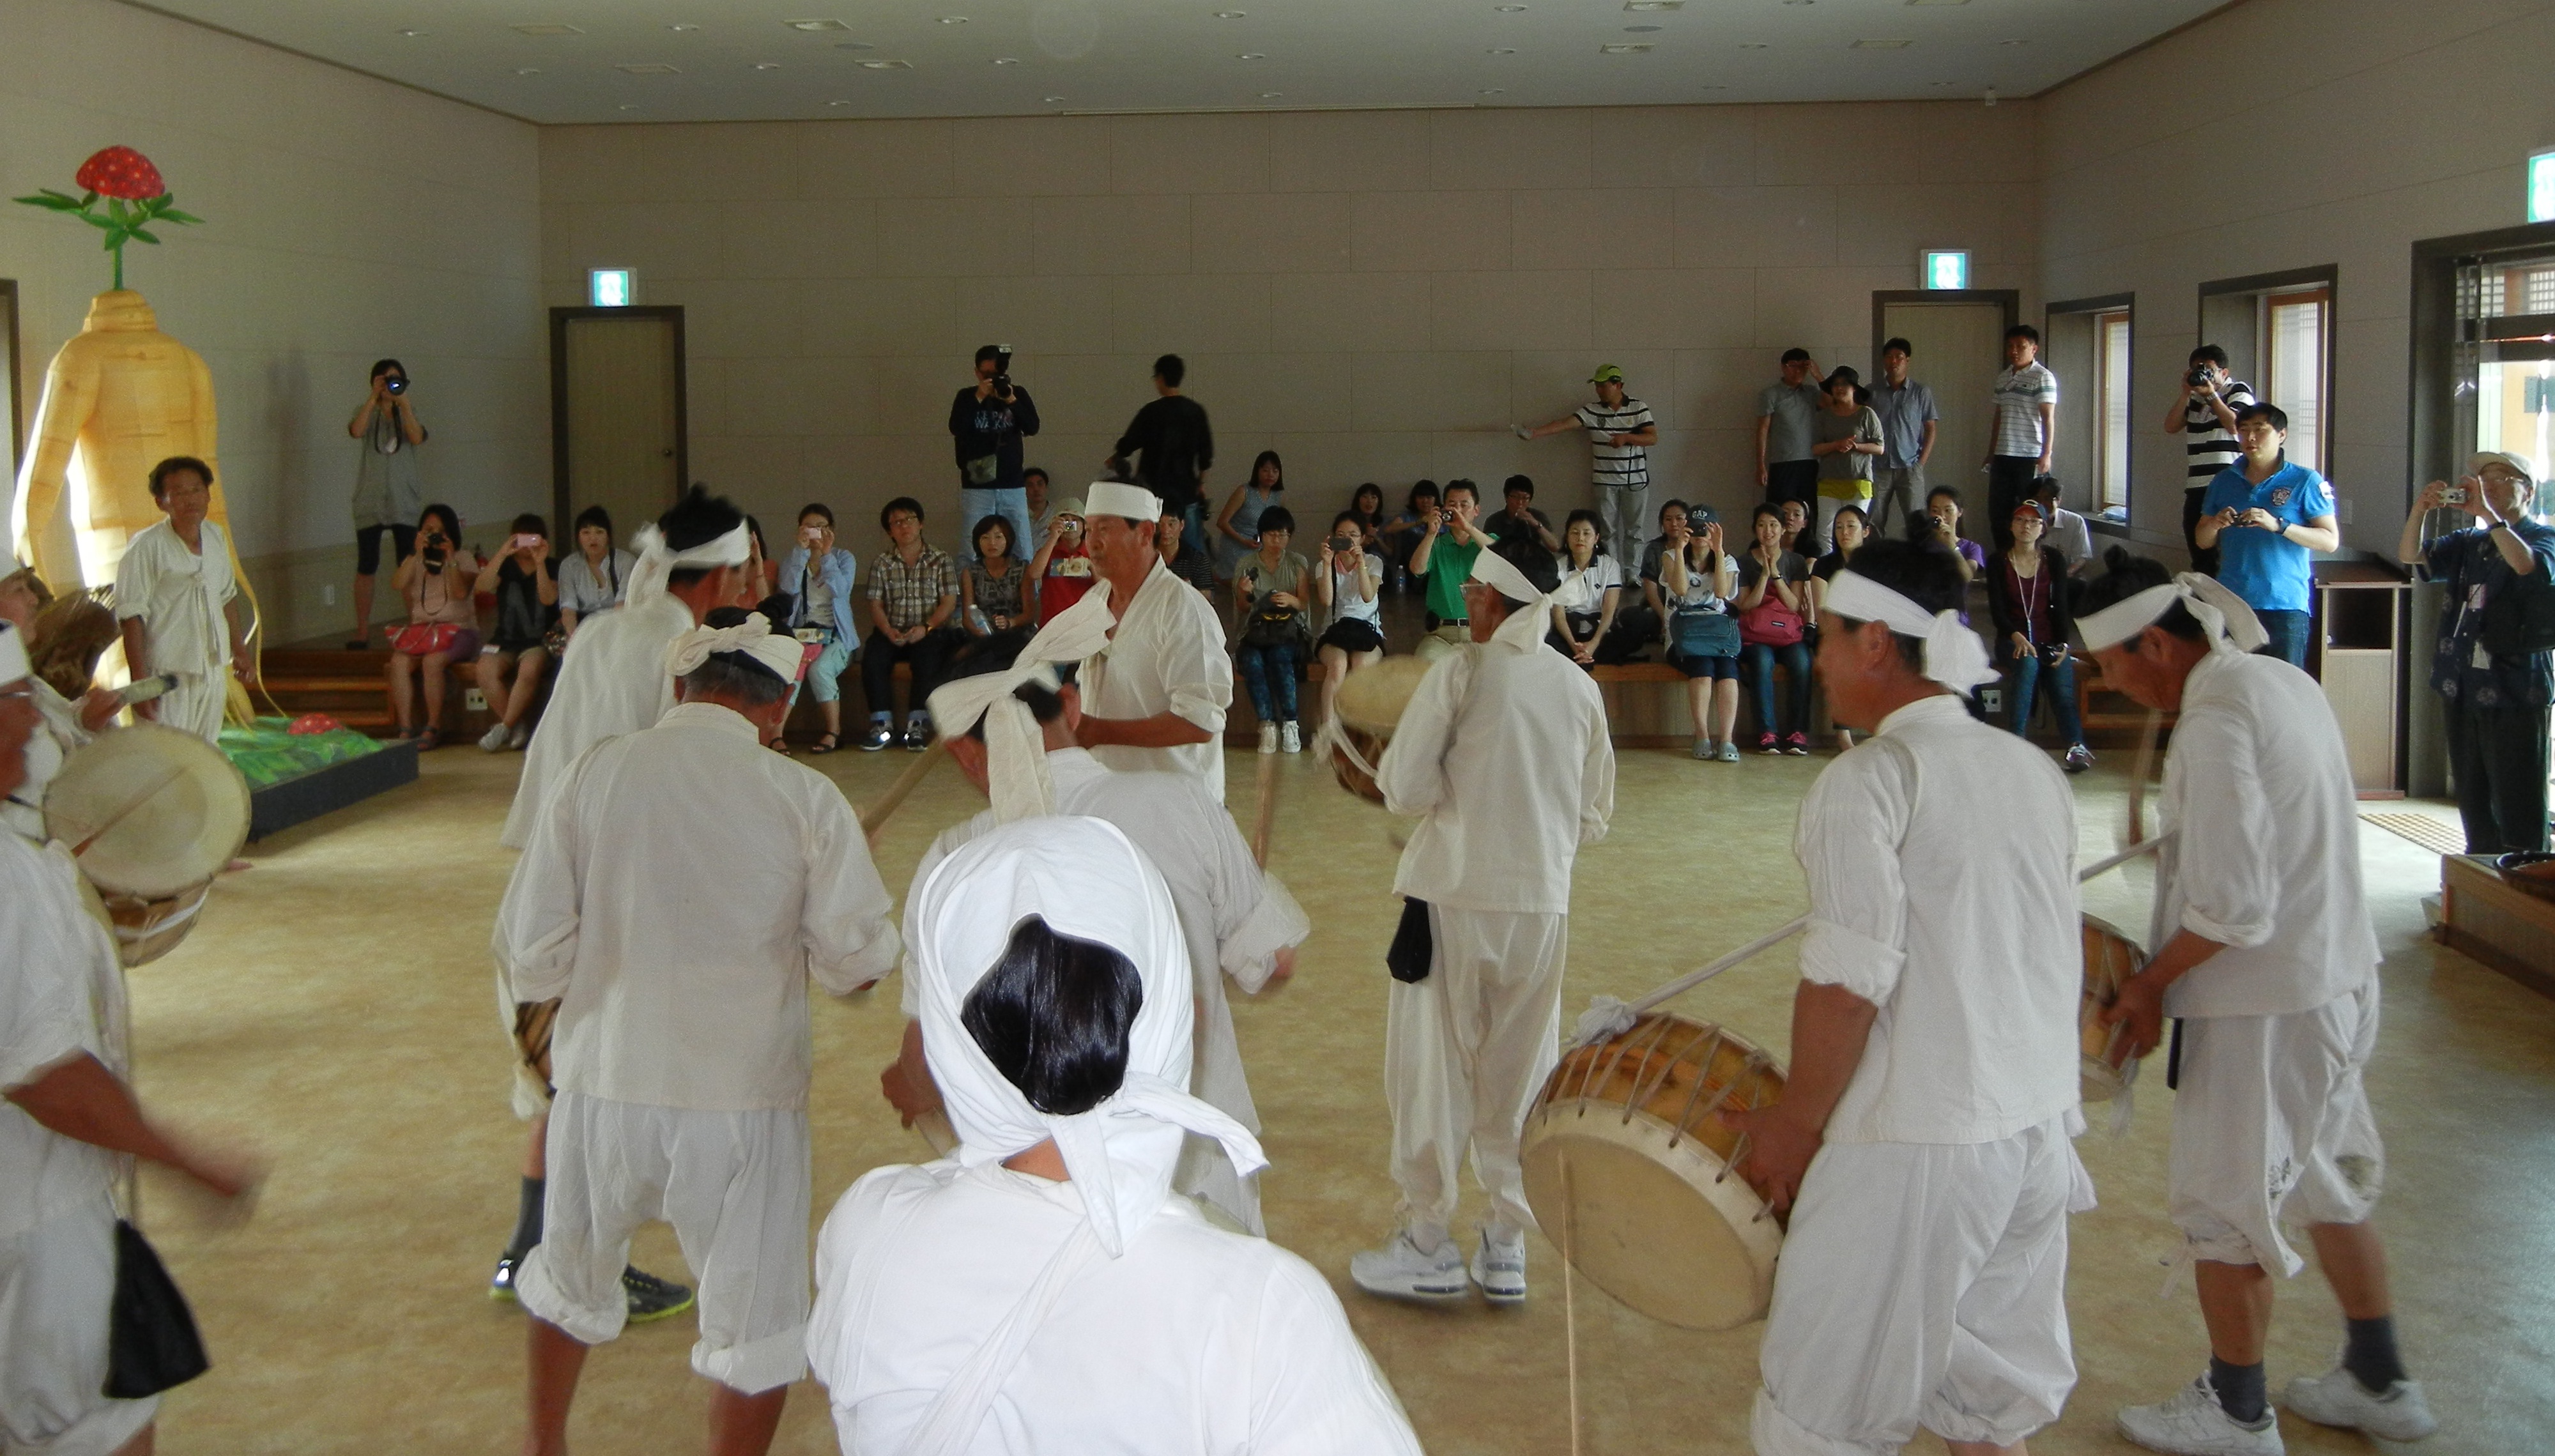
[(335, 1010)]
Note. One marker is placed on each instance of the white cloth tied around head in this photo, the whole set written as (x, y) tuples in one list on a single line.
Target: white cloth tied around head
[(658, 561), (2223, 617), (1525, 626), (1015, 746), (1954, 654), (1086, 881), (1118, 498), (753, 637)]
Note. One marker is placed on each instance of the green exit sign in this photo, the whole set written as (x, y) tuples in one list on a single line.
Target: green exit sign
[(1946, 268)]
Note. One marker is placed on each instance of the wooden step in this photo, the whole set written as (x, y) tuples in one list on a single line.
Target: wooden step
[(292, 682)]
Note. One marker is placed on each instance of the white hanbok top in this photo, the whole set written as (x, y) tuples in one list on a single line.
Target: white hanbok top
[(2264, 849), (61, 993), (1166, 656), (1941, 859), (679, 891), (1508, 782), (613, 682), (1195, 1342), (180, 596), (46, 748)]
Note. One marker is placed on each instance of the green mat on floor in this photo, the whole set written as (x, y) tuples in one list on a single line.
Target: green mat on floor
[(266, 754)]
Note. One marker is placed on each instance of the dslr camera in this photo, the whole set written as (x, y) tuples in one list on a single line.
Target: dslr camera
[(2199, 376), (394, 384), (1002, 370)]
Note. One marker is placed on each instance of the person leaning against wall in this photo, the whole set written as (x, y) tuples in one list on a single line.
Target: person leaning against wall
[(1908, 420), (389, 492)]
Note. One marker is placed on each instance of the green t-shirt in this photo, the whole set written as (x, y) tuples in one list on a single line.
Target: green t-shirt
[(1450, 565)]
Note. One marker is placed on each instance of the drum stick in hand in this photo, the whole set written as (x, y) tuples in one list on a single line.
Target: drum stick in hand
[(1268, 810), (876, 814)]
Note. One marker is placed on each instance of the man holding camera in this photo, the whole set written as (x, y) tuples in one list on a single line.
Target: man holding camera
[(388, 492), (2205, 417), (987, 421)]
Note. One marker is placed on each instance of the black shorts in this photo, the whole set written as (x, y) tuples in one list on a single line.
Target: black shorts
[(1353, 635), (1719, 669), (367, 545)]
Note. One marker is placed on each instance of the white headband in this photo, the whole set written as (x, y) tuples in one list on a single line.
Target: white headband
[(1525, 628), (658, 561), (1116, 498), (1015, 748), (2227, 622), (1954, 654), (13, 654), (753, 637)]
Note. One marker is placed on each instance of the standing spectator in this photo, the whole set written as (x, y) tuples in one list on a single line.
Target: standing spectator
[(1401, 534), (818, 576), (1237, 526), (2266, 518), (1033, 495), (1171, 447), (1518, 517), (590, 580), (1849, 440), (992, 593), (1788, 414), (1621, 431), (439, 584), (1271, 589), (914, 593), (1061, 569), (2205, 417), (1187, 560), (177, 604), (1446, 556), (1350, 580), (2496, 700), (2029, 607), (2026, 428), (1942, 522), (1773, 609), (524, 580), (1590, 593), (1700, 581), (1908, 425), (388, 490), (987, 421), (1848, 534), (2068, 532), (1367, 505)]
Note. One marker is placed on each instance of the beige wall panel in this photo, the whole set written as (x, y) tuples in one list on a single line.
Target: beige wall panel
[(1510, 310), (1821, 309), (1675, 307), (1032, 157), (1079, 237), (823, 239), (951, 237), (661, 240), (1264, 232), (1266, 394), (877, 158), (850, 318), (747, 162), (1341, 312), (1436, 392), (1887, 225), (1034, 314), (1851, 146), (1511, 148), (1758, 227), (1345, 150), (1396, 232), (1183, 155), (593, 164), (1203, 312), (1685, 145), (1615, 227)]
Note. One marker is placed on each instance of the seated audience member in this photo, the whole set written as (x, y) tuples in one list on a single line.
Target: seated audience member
[(2067, 532), (762, 570), (1774, 615), (1061, 572), (1941, 523), (2267, 515), (524, 580), (1350, 582), (991, 591), (1796, 522), (1186, 560), (589, 581), (1591, 591), (818, 576), (1367, 505), (914, 593), (1847, 530), (1269, 592), (2027, 604), (1849, 445), (1034, 490), (1518, 517), (442, 623), (1236, 527), (1700, 581), (1402, 532), (1644, 620)]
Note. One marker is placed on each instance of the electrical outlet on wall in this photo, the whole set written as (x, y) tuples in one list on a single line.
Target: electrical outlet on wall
[(328, 595), (1992, 700), (473, 700)]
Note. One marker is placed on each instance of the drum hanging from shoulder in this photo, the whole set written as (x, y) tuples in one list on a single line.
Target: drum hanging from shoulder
[(150, 814), (1369, 708), (1629, 1172), (2110, 959)]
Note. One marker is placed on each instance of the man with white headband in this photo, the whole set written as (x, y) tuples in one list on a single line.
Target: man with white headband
[(1504, 757), (2264, 954), (1044, 1290), (681, 887), (1155, 697), (1922, 1137), (1009, 725)]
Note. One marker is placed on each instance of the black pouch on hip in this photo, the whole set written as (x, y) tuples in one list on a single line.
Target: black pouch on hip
[(1413, 949), (151, 1344)]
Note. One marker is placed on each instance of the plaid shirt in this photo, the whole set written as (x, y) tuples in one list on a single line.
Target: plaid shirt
[(910, 592)]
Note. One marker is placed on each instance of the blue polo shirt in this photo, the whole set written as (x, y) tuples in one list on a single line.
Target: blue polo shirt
[(2269, 573)]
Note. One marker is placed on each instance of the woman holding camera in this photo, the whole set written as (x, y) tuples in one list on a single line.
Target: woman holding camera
[(1268, 594), (443, 622), (1350, 583), (525, 579), (2028, 603), (818, 576)]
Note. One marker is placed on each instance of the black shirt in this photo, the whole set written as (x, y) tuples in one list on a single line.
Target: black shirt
[(988, 427), (522, 618), (1172, 436)]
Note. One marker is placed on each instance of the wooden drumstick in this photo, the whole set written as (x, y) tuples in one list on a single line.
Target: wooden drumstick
[(119, 816), (876, 814), (1268, 810)]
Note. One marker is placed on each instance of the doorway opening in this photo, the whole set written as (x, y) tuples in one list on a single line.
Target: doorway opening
[(619, 435), (1957, 340)]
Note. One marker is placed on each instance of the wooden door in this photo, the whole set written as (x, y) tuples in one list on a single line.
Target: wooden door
[(617, 414), (1959, 351)]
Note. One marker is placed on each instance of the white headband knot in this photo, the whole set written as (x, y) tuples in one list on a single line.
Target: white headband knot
[(753, 637), (2223, 617), (1015, 747), (1954, 654), (657, 561)]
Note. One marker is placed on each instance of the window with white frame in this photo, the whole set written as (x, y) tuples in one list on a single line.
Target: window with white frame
[(2112, 414), (2298, 333)]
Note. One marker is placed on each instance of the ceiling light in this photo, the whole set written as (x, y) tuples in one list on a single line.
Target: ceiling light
[(1271, 96), (1640, 30), (1503, 51), (650, 67), (1754, 46), (1231, 14), (1497, 91), (2009, 42), (887, 66), (1642, 6), (1250, 56), (1051, 100), (1006, 60), (1634, 47), (854, 46), (547, 29), (628, 106), (766, 65), (1883, 45), (411, 35), (1938, 2), (528, 71), (838, 103), (1508, 9), (680, 26), (953, 20), (816, 25)]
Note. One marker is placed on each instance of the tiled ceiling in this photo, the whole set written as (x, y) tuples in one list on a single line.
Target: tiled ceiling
[(615, 60)]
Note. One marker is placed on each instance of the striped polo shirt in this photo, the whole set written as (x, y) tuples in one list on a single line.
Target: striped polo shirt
[(1623, 467), (2213, 446), (2020, 394)]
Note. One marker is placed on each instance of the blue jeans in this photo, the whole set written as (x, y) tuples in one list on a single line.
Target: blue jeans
[(1011, 504), (2023, 677), (1270, 673), (2289, 633), (1756, 664)]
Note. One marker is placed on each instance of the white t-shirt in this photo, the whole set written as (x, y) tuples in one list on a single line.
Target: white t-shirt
[(1582, 592), (61, 993)]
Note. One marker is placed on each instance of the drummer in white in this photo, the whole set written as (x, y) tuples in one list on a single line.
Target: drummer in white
[(1156, 696), (180, 605), (1922, 1139), (2265, 955)]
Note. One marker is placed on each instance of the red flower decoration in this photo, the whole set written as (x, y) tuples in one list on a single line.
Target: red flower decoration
[(310, 723), (121, 171)]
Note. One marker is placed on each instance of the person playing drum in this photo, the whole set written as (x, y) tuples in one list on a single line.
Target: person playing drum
[(66, 723), (1923, 1136), (2264, 954)]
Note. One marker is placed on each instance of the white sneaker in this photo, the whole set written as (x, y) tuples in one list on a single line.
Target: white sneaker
[(522, 735), (495, 738), (1500, 1268), (1398, 1271), (1267, 738), (2337, 1397), (1289, 740), (2193, 1423)]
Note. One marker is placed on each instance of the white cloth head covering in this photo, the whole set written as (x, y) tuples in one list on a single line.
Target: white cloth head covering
[(754, 637), (657, 561), (2224, 618), (1088, 881), (1116, 498), (13, 654), (1015, 746), (1954, 654), (1525, 628)]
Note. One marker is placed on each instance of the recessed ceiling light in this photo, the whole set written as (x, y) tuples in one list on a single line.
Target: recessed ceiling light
[(682, 26), (1623, 48), (1641, 5), (1503, 51), (650, 67), (887, 66), (547, 29), (1231, 14), (1250, 56), (528, 71), (1006, 60), (1938, 2), (411, 35), (1754, 46), (1497, 91), (953, 20), (854, 46), (838, 103), (1800, 2), (1051, 100), (1271, 96), (816, 25), (1508, 9), (2016, 41), (628, 106), (1883, 45), (1640, 30), (1940, 83), (766, 65)]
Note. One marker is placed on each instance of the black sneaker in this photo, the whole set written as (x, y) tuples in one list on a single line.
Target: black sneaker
[(917, 737), (501, 1285), (653, 1298), (877, 738)]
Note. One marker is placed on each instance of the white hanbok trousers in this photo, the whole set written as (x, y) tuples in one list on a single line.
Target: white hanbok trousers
[(1922, 1283), (57, 1285), (1466, 1050)]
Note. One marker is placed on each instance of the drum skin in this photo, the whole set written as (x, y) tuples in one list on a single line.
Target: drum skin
[(1369, 708), (153, 815), (1628, 1172), (2110, 959)]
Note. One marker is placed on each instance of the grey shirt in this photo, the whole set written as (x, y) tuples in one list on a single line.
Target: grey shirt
[(1795, 411), (388, 490), (1904, 410)]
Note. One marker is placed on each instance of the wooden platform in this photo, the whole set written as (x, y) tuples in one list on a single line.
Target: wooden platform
[(2508, 928)]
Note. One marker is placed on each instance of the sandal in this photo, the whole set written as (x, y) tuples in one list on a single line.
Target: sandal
[(780, 746), (429, 740), (826, 743)]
